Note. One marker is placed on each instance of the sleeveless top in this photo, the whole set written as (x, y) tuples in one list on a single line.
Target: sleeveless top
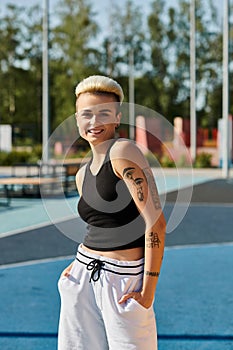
[(106, 205)]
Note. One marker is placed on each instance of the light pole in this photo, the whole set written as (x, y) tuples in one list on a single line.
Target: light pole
[(45, 83), (193, 122), (225, 91), (131, 96)]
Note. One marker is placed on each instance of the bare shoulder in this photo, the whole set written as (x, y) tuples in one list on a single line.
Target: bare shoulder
[(125, 152), (80, 177)]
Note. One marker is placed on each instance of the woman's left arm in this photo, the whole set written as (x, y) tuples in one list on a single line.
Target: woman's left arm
[(133, 168), (154, 239)]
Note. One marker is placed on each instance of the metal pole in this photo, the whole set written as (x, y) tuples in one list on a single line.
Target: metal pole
[(131, 96), (225, 91), (45, 83), (193, 123)]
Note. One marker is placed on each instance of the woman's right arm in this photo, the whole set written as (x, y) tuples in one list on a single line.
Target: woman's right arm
[(79, 179), (79, 182)]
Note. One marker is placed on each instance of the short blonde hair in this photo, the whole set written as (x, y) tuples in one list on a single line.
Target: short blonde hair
[(101, 84)]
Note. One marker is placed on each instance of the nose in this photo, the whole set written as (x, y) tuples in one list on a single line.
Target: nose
[(95, 120)]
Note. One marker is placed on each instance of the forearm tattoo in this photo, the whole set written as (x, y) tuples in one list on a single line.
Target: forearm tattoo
[(128, 173), (152, 240), (152, 273), (152, 187)]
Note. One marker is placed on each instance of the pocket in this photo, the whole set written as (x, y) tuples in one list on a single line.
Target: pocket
[(134, 312), (72, 279), (140, 306)]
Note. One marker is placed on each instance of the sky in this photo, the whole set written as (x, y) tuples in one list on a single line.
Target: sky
[(101, 6)]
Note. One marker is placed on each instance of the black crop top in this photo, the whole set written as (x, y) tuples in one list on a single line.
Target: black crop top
[(113, 219)]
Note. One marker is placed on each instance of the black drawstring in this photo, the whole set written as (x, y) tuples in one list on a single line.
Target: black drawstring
[(95, 265)]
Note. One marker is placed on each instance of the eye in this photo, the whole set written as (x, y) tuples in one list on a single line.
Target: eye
[(104, 115), (86, 114)]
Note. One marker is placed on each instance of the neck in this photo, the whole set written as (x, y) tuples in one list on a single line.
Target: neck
[(100, 150)]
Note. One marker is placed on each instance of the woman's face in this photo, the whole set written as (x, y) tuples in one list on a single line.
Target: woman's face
[(97, 117)]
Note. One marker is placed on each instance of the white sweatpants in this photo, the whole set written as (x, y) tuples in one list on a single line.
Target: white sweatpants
[(92, 318)]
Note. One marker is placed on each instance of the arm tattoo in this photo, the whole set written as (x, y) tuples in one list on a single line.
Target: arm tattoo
[(152, 187), (152, 273), (128, 173), (152, 240)]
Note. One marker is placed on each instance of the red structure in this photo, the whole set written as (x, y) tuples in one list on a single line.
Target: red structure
[(149, 134)]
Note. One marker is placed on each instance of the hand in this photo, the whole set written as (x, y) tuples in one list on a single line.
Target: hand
[(139, 297), (66, 272)]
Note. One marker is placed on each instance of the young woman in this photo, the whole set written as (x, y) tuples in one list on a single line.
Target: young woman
[(107, 292)]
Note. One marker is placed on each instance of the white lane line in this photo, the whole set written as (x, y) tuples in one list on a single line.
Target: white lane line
[(36, 226), (70, 257), (203, 245), (36, 262), (202, 204)]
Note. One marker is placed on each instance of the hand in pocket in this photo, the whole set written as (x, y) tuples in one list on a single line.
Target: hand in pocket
[(66, 272)]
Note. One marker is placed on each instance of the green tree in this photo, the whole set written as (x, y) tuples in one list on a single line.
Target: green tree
[(126, 36), (159, 41), (159, 71), (21, 101), (231, 58), (158, 89), (10, 34), (208, 58), (209, 62), (72, 56)]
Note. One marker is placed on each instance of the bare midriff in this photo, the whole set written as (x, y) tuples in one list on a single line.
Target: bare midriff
[(122, 255)]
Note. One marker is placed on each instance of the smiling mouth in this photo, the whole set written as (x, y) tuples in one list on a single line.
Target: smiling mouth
[(95, 131)]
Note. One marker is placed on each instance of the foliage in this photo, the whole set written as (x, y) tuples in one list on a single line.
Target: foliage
[(126, 36), (203, 160), (73, 57), (158, 39), (163, 160), (21, 157), (20, 92), (167, 162), (153, 159)]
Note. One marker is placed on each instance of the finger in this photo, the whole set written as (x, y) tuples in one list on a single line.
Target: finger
[(124, 298), (65, 273)]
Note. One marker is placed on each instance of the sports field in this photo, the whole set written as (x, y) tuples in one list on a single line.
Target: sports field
[(194, 300)]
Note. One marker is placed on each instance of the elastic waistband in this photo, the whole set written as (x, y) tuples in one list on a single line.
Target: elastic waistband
[(111, 265)]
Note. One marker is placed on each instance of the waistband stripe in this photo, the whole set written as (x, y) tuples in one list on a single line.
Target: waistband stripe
[(115, 272), (111, 263), (109, 266)]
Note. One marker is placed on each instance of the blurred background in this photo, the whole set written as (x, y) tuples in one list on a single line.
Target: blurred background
[(86, 37)]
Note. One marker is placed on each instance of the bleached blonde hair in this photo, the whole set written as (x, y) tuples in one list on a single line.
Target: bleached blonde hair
[(100, 84)]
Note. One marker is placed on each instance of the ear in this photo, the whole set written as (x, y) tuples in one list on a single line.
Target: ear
[(118, 118), (76, 119)]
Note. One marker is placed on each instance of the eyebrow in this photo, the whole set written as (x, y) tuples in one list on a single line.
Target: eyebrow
[(85, 110), (105, 110), (90, 110)]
